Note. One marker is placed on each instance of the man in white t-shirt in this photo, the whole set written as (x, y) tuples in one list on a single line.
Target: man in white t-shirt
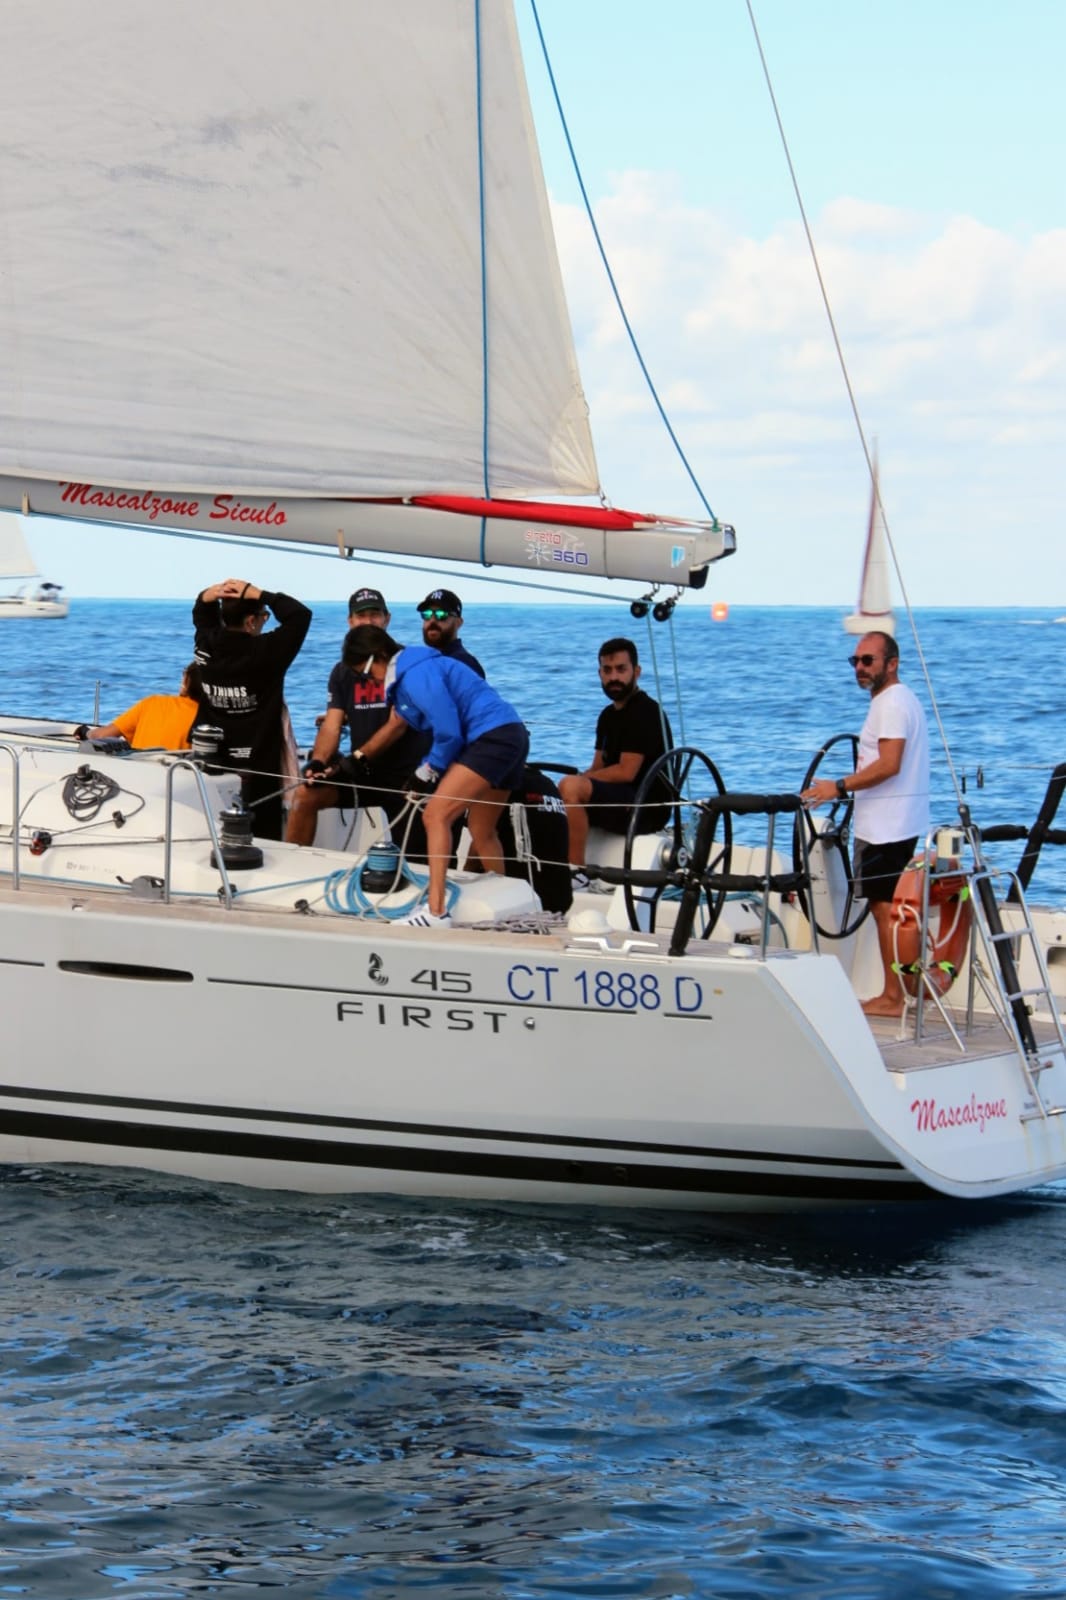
[(891, 789)]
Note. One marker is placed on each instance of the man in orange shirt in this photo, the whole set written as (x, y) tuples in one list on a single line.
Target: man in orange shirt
[(160, 722)]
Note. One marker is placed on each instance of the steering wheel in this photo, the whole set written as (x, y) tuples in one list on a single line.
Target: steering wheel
[(831, 838), (674, 768)]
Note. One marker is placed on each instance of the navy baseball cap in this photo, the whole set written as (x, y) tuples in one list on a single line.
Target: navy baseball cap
[(366, 600), (442, 600)]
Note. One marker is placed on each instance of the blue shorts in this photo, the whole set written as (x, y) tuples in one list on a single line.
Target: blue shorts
[(499, 756)]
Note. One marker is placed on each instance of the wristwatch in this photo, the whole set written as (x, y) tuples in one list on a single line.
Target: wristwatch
[(842, 789)]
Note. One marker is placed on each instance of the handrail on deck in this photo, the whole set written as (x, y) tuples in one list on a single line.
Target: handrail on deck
[(178, 764), (183, 764), (16, 808)]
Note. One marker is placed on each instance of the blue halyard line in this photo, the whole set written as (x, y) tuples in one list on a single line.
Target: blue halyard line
[(610, 275), (484, 283)]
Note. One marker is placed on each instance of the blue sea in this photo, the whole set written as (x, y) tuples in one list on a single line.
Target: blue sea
[(210, 1391)]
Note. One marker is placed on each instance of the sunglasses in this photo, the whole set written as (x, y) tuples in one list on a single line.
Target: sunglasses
[(862, 661), (434, 616)]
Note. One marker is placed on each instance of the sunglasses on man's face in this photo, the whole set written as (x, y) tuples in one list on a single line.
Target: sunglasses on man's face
[(434, 616), (862, 661)]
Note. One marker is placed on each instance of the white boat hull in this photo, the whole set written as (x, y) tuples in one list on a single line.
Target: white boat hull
[(223, 1045), (15, 608), (314, 1050)]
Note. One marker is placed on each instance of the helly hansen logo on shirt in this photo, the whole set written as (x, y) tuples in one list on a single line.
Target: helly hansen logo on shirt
[(367, 692)]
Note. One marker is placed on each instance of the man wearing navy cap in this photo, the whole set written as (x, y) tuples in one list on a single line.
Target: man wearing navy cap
[(442, 617)]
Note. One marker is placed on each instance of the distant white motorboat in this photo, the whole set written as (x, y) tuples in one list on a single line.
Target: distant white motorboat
[(874, 611), (16, 561)]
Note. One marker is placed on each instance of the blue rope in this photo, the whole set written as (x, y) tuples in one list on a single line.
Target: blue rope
[(610, 275), (344, 893)]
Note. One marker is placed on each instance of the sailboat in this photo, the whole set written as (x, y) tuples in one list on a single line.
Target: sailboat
[(873, 613), (318, 301), (43, 600)]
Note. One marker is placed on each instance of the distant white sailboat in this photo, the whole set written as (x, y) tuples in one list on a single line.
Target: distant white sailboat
[(16, 561), (874, 611)]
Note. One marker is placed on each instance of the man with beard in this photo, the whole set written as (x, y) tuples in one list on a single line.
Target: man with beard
[(442, 617), (891, 789), (632, 733), (243, 687), (384, 750)]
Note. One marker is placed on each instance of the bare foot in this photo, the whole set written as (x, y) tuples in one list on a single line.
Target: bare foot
[(883, 1005)]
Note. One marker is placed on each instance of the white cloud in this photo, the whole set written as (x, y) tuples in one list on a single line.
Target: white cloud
[(953, 332), (851, 217)]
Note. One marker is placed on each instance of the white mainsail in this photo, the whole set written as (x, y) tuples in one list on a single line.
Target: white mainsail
[(244, 253), (874, 611), (15, 558), (254, 256)]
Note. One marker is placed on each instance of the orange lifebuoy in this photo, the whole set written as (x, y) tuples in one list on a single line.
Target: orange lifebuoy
[(948, 934)]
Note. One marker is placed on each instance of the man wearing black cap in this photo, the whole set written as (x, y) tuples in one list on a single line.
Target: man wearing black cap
[(368, 605), (442, 617), (356, 698), (243, 686)]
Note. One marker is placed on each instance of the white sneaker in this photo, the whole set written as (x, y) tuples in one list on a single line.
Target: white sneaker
[(423, 917), (581, 883)]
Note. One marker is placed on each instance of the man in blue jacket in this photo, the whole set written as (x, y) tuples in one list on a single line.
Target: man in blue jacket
[(477, 756)]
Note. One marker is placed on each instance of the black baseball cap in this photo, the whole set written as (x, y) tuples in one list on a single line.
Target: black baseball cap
[(442, 600), (366, 600)]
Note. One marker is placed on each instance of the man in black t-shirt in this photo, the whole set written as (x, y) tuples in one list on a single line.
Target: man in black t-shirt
[(356, 699), (631, 733)]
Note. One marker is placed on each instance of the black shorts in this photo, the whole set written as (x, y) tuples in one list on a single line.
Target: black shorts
[(610, 807), (346, 792), (878, 867)]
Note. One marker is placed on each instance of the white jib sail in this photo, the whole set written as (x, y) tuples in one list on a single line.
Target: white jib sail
[(15, 558), (242, 252), (874, 610)]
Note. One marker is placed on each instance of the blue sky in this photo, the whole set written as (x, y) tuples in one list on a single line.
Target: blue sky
[(928, 141)]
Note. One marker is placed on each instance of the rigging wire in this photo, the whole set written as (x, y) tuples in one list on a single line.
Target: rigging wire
[(652, 390), (812, 247), (678, 702)]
